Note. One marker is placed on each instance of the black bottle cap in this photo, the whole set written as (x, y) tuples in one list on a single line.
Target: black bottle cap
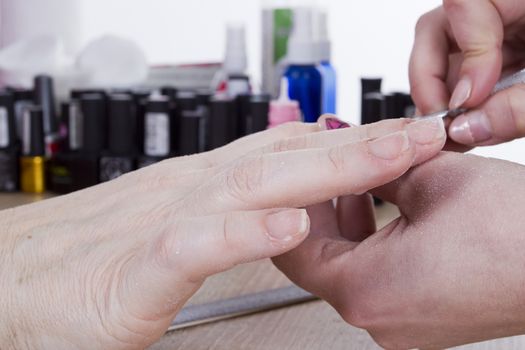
[(170, 92), (204, 98), (242, 102), (22, 94), (7, 120), (45, 97), (122, 121), (33, 135), (222, 124), (369, 85), (392, 107), (186, 101), (76, 94), (258, 119), (397, 104), (141, 95), (410, 107), (94, 120), (373, 108), (190, 132), (158, 104)]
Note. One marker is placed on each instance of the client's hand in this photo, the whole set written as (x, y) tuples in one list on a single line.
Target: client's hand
[(448, 272), (109, 267)]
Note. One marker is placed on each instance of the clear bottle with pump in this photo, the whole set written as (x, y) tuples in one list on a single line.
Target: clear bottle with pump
[(236, 61), (304, 79)]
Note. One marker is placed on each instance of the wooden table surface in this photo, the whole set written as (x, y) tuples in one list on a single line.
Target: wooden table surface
[(313, 325)]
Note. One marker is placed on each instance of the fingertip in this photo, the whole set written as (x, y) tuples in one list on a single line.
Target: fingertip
[(287, 225), (471, 128), (429, 137)]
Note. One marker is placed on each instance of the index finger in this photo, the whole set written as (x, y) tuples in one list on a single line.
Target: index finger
[(429, 63)]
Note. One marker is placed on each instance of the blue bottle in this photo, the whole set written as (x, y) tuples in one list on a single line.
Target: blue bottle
[(304, 78), (328, 73), (329, 88)]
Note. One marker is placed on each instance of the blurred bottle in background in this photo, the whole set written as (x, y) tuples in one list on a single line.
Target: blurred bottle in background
[(328, 73), (304, 78)]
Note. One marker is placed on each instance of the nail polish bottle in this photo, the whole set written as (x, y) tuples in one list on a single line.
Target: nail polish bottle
[(397, 104), (85, 164), (9, 169), (45, 97), (158, 140), (23, 98), (373, 108), (203, 107), (141, 97), (32, 162), (283, 110), (222, 127), (258, 114), (368, 85), (190, 132), (122, 138), (170, 92), (77, 166), (242, 106)]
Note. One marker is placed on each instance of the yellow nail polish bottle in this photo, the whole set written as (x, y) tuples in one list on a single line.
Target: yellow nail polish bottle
[(32, 162)]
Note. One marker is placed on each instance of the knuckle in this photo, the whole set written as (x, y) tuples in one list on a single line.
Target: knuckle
[(516, 106), (228, 224), (290, 144), (423, 21), (388, 343), (357, 312), (245, 178), (454, 5), (166, 245), (292, 129), (336, 157)]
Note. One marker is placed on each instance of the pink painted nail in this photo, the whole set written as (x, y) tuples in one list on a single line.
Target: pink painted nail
[(334, 123)]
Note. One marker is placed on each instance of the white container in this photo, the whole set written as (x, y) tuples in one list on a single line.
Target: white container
[(22, 19)]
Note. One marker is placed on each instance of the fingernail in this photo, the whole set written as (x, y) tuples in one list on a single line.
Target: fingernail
[(334, 123), (390, 147), (287, 224), (426, 131), (471, 128), (461, 93)]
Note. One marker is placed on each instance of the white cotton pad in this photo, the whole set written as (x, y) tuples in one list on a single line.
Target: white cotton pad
[(113, 61)]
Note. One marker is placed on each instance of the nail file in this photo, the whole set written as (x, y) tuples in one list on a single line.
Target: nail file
[(503, 84), (195, 315)]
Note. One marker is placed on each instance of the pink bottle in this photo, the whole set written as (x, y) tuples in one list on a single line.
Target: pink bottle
[(284, 110)]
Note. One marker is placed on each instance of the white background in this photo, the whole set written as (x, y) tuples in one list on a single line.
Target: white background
[(370, 37)]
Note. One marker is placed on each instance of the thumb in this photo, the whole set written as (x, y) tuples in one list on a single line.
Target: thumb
[(185, 253), (478, 30), (500, 119), (206, 246)]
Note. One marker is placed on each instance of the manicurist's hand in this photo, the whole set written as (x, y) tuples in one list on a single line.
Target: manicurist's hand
[(110, 267), (461, 50), (449, 271)]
